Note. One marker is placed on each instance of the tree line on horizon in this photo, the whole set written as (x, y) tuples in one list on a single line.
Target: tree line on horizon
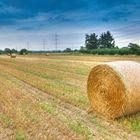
[(94, 44), (105, 44), (14, 51)]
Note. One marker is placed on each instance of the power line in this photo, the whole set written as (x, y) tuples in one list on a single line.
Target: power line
[(44, 45), (56, 41), (28, 45), (17, 48)]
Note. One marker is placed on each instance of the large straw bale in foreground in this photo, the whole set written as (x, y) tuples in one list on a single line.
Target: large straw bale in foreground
[(114, 88)]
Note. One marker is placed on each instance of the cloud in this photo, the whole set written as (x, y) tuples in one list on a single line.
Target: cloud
[(64, 11), (13, 11), (113, 15), (117, 11), (107, 4), (47, 5), (31, 16)]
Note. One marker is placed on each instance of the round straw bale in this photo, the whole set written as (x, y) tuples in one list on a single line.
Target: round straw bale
[(13, 55), (114, 88)]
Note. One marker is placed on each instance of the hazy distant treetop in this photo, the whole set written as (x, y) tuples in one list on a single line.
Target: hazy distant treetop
[(133, 47), (7, 51), (23, 51)]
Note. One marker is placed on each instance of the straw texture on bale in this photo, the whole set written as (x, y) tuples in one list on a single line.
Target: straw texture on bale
[(114, 88)]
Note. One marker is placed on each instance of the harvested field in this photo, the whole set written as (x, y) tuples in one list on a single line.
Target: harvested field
[(44, 97)]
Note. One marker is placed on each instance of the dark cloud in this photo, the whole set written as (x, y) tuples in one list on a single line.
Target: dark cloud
[(25, 28), (13, 11), (7, 22), (30, 8), (106, 4), (119, 15), (46, 5)]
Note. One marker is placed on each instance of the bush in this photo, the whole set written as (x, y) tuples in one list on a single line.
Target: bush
[(23, 51), (113, 51), (1, 52)]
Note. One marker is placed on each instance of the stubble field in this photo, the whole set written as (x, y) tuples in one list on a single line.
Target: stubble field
[(44, 97)]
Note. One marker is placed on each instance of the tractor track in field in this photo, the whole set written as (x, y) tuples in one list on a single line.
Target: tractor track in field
[(100, 127)]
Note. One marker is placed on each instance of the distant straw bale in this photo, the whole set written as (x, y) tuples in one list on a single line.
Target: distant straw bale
[(114, 88), (13, 55)]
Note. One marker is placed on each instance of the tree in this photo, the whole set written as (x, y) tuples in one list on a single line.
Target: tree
[(1, 52), (106, 40), (23, 51), (7, 51), (133, 47), (91, 41), (68, 50), (83, 48), (13, 51)]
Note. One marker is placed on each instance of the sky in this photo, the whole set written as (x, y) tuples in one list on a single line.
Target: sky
[(41, 24)]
